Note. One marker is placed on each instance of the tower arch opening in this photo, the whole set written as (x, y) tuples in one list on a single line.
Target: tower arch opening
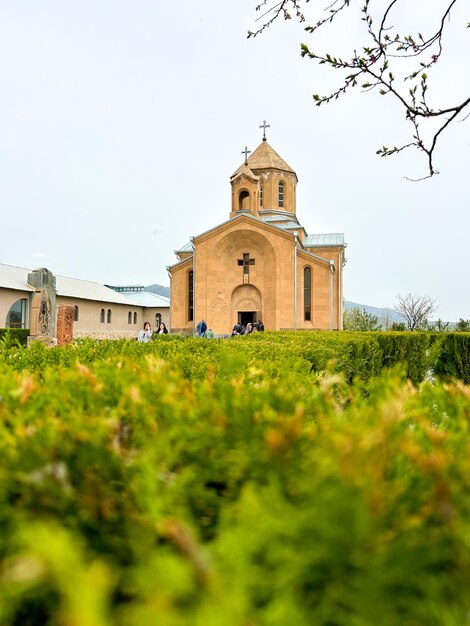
[(244, 200)]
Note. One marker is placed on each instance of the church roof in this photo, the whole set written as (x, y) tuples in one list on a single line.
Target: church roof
[(148, 299), (88, 290), (12, 277), (188, 247), (273, 215), (289, 225), (244, 169), (139, 295), (277, 221), (324, 240), (265, 157)]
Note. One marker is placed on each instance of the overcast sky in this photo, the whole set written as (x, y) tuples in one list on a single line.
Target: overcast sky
[(121, 122)]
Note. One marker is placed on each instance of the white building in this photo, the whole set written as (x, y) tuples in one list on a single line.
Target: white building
[(99, 311)]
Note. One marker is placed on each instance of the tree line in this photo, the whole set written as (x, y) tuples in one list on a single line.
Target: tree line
[(415, 311)]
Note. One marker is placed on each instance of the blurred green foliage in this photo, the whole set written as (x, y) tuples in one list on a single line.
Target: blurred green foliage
[(353, 354), (259, 481), (454, 356), (13, 336)]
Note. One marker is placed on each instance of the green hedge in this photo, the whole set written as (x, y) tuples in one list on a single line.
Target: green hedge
[(357, 354), (410, 350), (14, 335), (159, 484), (353, 354), (454, 357)]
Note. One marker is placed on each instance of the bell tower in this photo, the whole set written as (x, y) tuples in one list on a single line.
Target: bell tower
[(265, 182), (245, 189)]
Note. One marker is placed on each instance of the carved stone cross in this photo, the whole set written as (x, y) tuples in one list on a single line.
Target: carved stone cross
[(246, 262)]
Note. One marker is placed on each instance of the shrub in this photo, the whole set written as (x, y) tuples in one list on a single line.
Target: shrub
[(454, 356), (134, 493), (409, 350), (12, 336)]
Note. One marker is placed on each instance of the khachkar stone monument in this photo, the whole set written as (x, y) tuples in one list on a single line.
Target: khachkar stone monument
[(65, 315), (43, 306)]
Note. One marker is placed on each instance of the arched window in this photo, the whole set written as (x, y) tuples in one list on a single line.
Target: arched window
[(281, 194), (76, 313), (102, 316), (16, 316), (129, 317), (135, 317), (243, 201), (261, 194), (190, 296), (109, 316), (308, 294), (158, 320)]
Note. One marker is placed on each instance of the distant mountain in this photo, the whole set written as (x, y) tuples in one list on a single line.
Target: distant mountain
[(159, 289), (382, 314)]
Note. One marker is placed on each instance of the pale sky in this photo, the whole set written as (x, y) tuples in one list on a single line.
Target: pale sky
[(121, 122)]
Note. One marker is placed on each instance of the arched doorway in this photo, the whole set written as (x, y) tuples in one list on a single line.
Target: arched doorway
[(246, 304)]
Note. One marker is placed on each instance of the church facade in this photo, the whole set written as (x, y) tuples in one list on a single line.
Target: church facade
[(260, 264)]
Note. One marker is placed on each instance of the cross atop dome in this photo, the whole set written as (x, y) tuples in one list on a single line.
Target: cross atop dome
[(264, 126), (246, 152)]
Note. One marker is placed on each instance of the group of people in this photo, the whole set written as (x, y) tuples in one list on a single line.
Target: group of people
[(238, 329), (146, 334), (241, 329)]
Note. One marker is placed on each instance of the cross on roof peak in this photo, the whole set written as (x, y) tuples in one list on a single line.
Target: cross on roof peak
[(246, 152), (264, 126)]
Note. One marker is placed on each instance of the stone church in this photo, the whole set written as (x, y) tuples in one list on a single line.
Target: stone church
[(260, 264)]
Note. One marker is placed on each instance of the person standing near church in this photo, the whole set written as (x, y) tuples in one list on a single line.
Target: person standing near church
[(146, 334), (162, 329), (201, 328)]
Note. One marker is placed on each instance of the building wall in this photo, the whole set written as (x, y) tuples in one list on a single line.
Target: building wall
[(150, 315), (270, 181), (89, 318), (335, 254), (180, 322), (323, 295), (88, 323)]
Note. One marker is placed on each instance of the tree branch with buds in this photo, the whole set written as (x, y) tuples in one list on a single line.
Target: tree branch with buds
[(374, 67)]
